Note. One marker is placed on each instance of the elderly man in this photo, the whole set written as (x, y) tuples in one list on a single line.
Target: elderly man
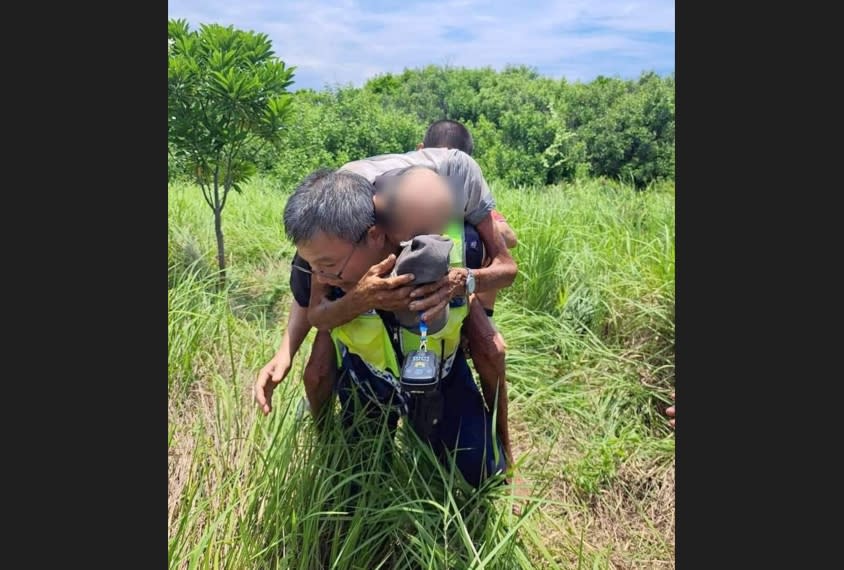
[(489, 359), (373, 289), (331, 219)]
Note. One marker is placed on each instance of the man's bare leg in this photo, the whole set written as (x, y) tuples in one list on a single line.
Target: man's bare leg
[(320, 375), (488, 354)]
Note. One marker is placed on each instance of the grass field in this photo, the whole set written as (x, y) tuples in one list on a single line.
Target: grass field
[(589, 324)]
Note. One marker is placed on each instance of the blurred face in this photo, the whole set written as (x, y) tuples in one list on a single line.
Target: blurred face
[(411, 220), (341, 263), (423, 205)]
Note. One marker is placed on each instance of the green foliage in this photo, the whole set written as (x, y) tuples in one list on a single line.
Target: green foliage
[(626, 127), (226, 95), (225, 89), (528, 129), (328, 129)]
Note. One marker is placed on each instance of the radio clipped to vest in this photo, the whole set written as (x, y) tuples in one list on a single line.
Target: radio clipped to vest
[(419, 379), (421, 370)]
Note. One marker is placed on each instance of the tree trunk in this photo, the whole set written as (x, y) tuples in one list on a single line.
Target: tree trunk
[(221, 249), (218, 230)]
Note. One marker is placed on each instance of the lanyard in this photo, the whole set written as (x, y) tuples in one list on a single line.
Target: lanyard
[(423, 332)]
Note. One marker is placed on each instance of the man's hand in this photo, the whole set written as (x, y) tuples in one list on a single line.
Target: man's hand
[(433, 297), (374, 291), (269, 377), (670, 412)]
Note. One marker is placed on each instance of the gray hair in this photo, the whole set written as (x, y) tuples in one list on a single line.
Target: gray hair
[(336, 202)]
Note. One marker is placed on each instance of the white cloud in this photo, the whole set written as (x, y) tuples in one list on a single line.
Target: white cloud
[(339, 41)]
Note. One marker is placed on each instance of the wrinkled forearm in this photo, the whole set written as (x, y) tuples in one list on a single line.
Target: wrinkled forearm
[(324, 314), (502, 270), (297, 329), (508, 234)]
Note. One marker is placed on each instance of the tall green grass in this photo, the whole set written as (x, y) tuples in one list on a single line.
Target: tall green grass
[(590, 334)]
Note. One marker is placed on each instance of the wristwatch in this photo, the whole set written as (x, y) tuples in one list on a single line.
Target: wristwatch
[(470, 281)]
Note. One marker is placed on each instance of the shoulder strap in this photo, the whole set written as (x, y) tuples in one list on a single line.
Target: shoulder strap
[(390, 323)]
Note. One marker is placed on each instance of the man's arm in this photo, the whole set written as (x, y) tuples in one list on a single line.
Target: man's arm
[(277, 369), (502, 270), (297, 329), (478, 210), (498, 274), (371, 292), (507, 233), (324, 314)]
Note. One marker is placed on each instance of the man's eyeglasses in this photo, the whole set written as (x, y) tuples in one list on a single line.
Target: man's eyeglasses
[(339, 275)]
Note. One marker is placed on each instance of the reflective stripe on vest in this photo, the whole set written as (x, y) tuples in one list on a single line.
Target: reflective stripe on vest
[(366, 336), (454, 230)]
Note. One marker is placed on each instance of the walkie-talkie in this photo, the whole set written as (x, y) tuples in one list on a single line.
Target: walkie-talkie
[(420, 372), (420, 380)]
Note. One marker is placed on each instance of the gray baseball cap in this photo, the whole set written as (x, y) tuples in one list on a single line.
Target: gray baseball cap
[(427, 257)]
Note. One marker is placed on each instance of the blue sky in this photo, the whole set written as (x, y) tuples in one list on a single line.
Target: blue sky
[(349, 41)]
